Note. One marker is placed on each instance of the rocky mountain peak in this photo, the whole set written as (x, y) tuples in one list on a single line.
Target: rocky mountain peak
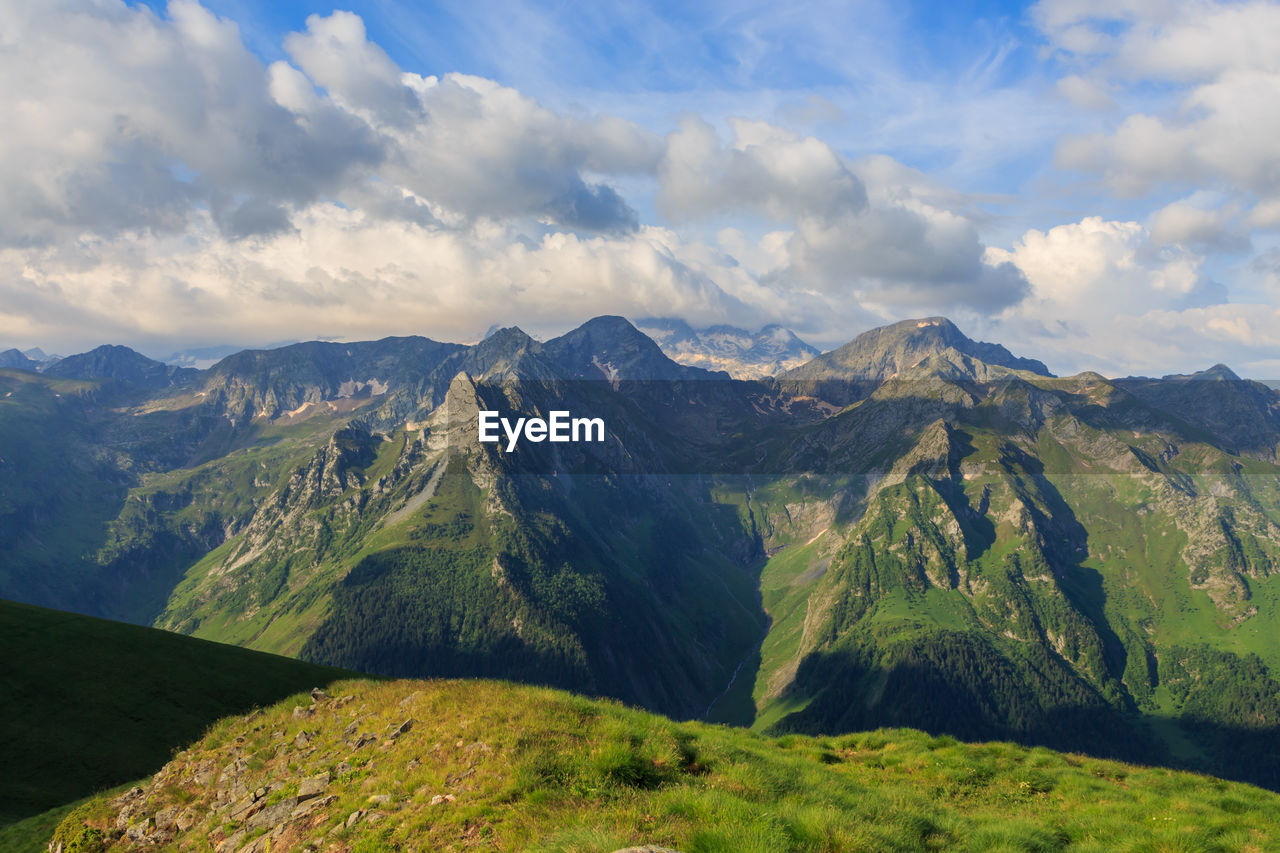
[(1218, 373), (120, 364), (612, 349), (853, 370), (13, 358), (461, 401)]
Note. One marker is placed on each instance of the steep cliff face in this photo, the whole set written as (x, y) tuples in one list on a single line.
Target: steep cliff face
[(426, 552), (950, 539), (1030, 563)]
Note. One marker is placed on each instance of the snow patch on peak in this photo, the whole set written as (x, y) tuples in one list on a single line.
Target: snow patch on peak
[(366, 388), (610, 372)]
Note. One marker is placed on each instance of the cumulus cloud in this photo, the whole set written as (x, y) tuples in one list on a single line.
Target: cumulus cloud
[(162, 178), (335, 53), (1221, 59), (488, 150), (905, 258), (1204, 226), (116, 119), (899, 251), (128, 120), (343, 273), (1194, 91), (1081, 267), (162, 183), (471, 145), (1105, 295), (766, 169)]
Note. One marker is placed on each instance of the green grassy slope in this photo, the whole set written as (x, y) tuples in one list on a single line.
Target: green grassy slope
[(488, 765), (58, 490), (422, 553), (31, 834), (86, 703), (1076, 563), (1038, 567)]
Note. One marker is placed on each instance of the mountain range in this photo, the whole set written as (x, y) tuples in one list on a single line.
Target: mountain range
[(915, 529), (739, 352)]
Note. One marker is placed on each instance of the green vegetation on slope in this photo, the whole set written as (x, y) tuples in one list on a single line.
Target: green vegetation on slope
[(88, 704), (32, 834), (603, 591), (58, 491), (455, 765), (967, 548), (1058, 582), (478, 619)]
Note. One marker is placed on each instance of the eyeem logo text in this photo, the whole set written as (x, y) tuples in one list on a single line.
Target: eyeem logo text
[(559, 426)]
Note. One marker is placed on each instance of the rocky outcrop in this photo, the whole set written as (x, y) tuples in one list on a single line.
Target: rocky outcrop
[(274, 783)]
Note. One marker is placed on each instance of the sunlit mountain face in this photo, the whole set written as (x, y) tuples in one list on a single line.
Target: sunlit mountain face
[(1070, 561), (866, 377)]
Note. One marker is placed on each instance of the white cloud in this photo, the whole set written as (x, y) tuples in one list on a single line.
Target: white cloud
[(899, 251), (1245, 335), (904, 258), (335, 53), (765, 169), (1108, 296), (125, 120), (1084, 93), (1204, 226), (1222, 62), (1100, 266), (161, 183), (1196, 93), (343, 273), (471, 145), (487, 150), (118, 120)]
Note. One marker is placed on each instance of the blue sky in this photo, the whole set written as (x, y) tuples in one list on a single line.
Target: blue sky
[(656, 61), (1088, 182), (712, 56)]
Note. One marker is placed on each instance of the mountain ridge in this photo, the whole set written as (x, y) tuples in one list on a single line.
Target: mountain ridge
[(741, 353), (16, 359), (1066, 561), (121, 364), (852, 370)]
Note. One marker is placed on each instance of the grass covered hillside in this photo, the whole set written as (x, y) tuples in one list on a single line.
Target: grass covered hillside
[(86, 703), (927, 532), (458, 765)]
